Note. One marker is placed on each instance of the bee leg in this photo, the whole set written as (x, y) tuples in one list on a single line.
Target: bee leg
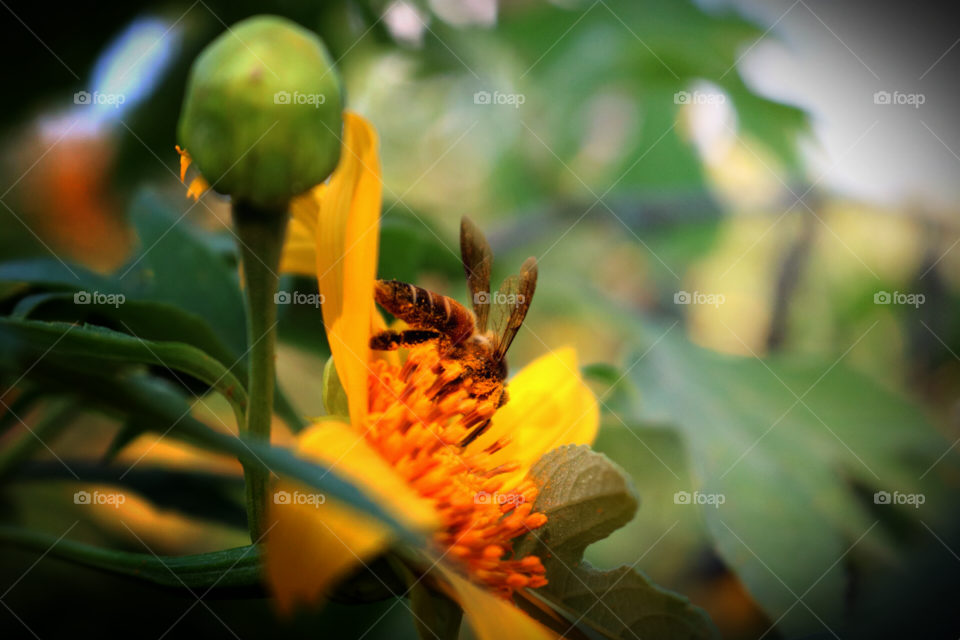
[(476, 433), (393, 340)]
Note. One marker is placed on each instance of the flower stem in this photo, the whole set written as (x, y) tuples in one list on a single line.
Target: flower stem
[(260, 234)]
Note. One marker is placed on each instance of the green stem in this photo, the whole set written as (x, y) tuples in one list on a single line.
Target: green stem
[(260, 233)]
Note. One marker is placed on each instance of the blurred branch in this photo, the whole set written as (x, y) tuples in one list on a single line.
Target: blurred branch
[(791, 271), (638, 213)]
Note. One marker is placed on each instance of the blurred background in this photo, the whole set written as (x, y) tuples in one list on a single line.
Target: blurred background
[(745, 215)]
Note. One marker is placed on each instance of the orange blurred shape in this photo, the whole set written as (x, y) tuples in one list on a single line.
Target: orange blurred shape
[(66, 198)]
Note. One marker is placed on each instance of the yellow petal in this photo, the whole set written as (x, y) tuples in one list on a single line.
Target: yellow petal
[(347, 243), (299, 251), (305, 208), (549, 406), (185, 161), (492, 617), (311, 546), (198, 186)]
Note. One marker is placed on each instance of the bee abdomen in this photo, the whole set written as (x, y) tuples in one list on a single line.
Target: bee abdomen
[(424, 309)]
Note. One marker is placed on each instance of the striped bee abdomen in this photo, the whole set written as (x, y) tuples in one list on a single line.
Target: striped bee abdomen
[(420, 308)]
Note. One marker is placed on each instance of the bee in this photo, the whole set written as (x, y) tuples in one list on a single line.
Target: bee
[(460, 334)]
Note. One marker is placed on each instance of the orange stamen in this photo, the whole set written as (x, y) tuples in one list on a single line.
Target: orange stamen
[(417, 418)]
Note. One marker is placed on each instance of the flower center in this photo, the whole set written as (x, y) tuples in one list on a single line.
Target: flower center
[(418, 415)]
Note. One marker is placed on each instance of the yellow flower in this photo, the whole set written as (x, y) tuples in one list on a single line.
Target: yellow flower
[(401, 444)]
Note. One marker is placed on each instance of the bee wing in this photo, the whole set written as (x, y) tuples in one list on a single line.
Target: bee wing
[(508, 291), (477, 261), (522, 288)]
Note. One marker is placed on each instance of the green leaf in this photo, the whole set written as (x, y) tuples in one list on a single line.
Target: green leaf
[(149, 320), (162, 406), (334, 396), (177, 266), (89, 344), (585, 498), (49, 273), (94, 363), (410, 246), (797, 475), (240, 567)]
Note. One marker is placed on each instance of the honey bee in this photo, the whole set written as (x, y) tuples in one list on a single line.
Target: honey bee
[(460, 334)]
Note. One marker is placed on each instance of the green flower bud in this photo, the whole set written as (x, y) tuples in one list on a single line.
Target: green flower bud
[(262, 113)]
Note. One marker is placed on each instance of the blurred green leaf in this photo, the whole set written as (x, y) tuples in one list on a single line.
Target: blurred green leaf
[(410, 246), (91, 344), (335, 400), (155, 321), (103, 383), (231, 568), (176, 266), (796, 448)]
